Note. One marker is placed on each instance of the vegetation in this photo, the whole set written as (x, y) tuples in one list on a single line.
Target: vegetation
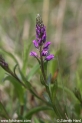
[(48, 88)]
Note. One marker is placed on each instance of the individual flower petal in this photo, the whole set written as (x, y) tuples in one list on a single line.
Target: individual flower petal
[(42, 29), (38, 32), (40, 41), (35, 43), (37, 27), (46, 45), (33, 54), (44, 38), (49, 57), (44, 52)]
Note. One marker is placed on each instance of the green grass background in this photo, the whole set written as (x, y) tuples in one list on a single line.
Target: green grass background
[(63, 22)]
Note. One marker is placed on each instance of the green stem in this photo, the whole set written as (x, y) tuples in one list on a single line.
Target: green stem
[(43, 72), (7, 116), (16, 77), (39, 97), (53, 105), (21, 110)]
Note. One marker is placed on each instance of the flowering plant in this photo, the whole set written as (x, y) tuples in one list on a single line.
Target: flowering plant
[(48, 97), (42, 46)]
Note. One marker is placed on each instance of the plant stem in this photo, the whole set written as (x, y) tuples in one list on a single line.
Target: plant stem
[(16, 77), (42, 65), (43, 72), (7, 116), (21, 110)]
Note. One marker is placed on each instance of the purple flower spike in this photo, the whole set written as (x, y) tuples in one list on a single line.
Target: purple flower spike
[(40, 42), (40, 31), (33, 54), (35, 43), (49, 57), (46, 45)]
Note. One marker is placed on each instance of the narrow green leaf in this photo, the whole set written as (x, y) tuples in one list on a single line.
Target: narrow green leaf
[(9, 54), (58, 108), (41, 121), (79, 84), (3, 111), (19, 89), (52, 91), (49, 79), (25, 56), (42, 79), (35, 110), (32, 91), (33, 71), (27, 83), (14, 69), (68, 91), (36, 120), (54, 65)]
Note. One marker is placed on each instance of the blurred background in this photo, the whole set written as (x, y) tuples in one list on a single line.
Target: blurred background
[(63, 21)]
